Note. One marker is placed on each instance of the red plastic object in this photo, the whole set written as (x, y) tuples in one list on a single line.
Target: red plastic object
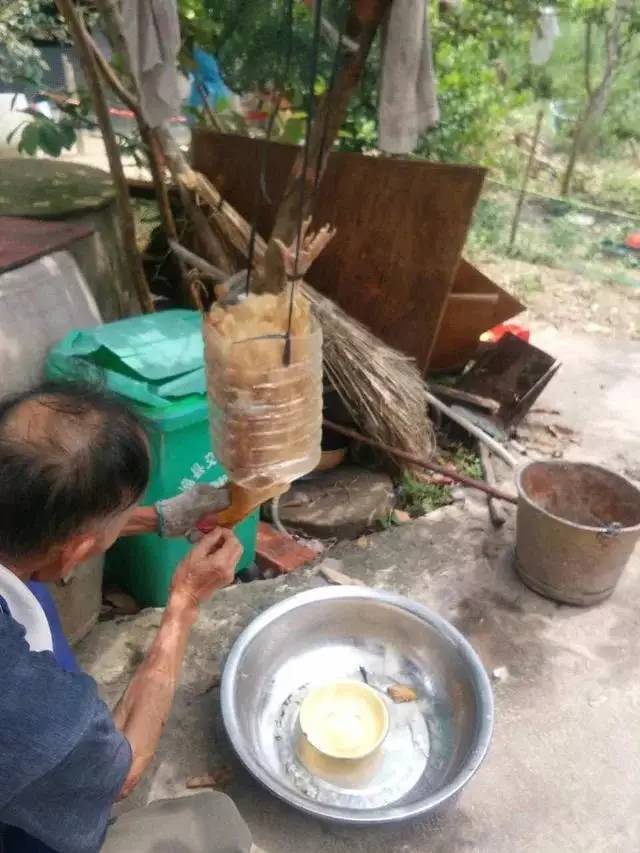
[(280, 553), (633, 241), (499, 331)]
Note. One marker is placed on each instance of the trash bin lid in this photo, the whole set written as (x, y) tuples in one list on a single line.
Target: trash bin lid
[(155, 360)]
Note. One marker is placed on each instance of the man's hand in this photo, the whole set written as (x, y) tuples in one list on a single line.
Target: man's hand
[(144, 708), (177, 516), (209, 566)]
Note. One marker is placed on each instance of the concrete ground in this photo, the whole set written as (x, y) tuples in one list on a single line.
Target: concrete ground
[(561, 774)]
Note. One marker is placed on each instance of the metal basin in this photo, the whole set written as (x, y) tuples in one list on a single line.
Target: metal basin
[(434, 745)]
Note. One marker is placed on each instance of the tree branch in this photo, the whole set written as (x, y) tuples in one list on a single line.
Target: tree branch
[(113, 21), (127, 98), (234, 227), (588, 27), (125, 214), (364, 19)]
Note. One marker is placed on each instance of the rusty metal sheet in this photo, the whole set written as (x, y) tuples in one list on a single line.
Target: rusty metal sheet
[(514, 374)]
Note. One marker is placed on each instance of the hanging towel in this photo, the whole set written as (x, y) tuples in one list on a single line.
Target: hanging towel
[(407, 104), (544, 37), (152, 34)]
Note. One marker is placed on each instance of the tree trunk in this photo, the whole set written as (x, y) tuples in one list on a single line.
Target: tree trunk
[(598, 98), (111, 20), (596, 105), (365, 17), (125, 213)]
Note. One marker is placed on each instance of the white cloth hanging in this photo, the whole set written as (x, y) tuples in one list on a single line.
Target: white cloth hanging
[(544, 37), (152, 34), (407, 104)]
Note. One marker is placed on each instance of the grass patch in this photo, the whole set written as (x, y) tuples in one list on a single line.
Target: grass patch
[(418, 498), (526, 284), (563, 234), (552, 233), (490, 228), (467, 462), (421, 498)]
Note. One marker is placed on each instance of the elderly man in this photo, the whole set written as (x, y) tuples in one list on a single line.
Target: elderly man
[(73, 465)]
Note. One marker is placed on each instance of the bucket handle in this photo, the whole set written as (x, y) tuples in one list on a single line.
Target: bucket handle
[(610, 531)]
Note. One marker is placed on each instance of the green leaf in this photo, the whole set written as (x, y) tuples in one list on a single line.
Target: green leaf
[(67, 134), (293, 130), (235, 122), (30, 139), (50, 139), (14, 131)]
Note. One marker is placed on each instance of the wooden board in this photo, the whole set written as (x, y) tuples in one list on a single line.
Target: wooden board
[(401, 225), (462, 324)]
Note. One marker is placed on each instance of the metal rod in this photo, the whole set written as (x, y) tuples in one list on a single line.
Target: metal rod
[(495, 447), (422, 463), (497, 516)]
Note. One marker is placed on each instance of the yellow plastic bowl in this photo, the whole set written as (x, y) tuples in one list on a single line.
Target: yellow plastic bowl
[(344, 719)]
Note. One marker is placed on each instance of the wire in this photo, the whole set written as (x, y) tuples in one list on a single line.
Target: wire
[(261, 187), (313, 70), (288, 27), (332, 80), (342, 42), (275, 517)]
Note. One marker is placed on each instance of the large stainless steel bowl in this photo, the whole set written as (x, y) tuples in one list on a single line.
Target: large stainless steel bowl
[(434, 745)]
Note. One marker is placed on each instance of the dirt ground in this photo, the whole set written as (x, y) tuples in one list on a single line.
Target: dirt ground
[(568, 263), (567, 299)]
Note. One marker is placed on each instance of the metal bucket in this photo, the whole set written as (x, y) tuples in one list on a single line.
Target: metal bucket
[(577, 526)]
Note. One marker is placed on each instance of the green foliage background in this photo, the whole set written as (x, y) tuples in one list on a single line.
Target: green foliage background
[(481, 58), (20, 22), (486, 86)]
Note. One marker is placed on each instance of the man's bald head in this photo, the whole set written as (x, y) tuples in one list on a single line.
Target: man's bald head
[(70, 456)]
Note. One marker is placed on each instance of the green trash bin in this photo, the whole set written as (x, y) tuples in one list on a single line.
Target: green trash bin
[(156, 363)]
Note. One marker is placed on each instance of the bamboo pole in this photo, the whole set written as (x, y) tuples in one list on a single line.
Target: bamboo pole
[(123, 203), (525, 179)]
